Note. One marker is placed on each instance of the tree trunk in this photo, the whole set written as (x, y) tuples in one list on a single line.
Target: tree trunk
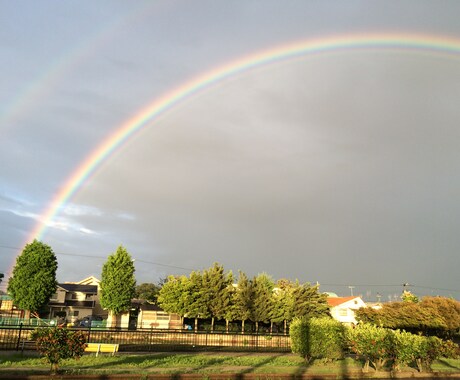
[(257, 327), (212, 324), (242, 326), (271, 327), (196, 324), (226, 325), (285, 327)]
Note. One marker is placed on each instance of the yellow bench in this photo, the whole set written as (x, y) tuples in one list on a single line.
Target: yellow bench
[(101, 347)]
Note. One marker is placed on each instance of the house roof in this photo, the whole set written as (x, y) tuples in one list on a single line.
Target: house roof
[(78, 288), (335, 301)]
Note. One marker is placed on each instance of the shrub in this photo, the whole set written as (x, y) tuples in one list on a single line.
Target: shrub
[(317, 338), (57, 343), (372, 344), (299, 332)]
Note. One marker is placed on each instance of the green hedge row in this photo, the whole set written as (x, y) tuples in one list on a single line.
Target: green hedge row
[(327, 339)]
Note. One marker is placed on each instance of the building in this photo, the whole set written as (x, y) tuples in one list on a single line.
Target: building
[(343, 308), (76, 300), (145, 315)]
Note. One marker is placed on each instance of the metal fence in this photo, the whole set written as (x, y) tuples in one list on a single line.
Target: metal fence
[(12, 338)]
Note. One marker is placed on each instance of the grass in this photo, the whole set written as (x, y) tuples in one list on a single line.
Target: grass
[(175, 363)]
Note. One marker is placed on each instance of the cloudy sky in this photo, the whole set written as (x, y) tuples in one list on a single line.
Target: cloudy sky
[(339, 167)]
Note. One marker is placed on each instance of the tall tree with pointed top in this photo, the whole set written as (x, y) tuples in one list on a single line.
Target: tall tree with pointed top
[(243, 299), (263, 303), (216, 291), (34, 277), (118, 284)]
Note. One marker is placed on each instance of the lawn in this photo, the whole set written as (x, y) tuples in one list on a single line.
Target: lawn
[(194, 363)]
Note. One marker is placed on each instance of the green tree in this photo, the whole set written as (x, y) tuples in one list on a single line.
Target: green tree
[(173, 296), (198, 306), (432, 315), (243, 299), (118, 283), (263, 298), (34, 277), (308, 301), (216, 290), (147, 291)]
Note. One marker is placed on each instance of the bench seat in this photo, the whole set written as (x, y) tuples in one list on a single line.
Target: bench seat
[(102, 347)]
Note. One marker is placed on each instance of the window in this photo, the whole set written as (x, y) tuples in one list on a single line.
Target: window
[(75, 313), (54, 296), (343, 312)]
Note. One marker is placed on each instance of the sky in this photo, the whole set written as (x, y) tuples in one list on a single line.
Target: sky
[(338, 167)]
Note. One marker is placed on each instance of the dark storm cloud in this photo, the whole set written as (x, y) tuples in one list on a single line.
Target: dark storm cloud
[(339, 168)]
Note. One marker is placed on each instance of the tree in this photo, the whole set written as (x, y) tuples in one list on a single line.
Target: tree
[(34, 277), (243, 299), (263, 286), (118, 282), (147, 291), (433, 315), (197, 306), (173, 296), (216, 291)]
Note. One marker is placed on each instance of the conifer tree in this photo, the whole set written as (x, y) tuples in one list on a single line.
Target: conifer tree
[(243, 299), (118, 283), (173, 296), (34, 277), (263, 286), (216, 291)]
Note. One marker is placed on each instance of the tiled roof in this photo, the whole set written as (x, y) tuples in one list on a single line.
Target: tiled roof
[(335, 301)]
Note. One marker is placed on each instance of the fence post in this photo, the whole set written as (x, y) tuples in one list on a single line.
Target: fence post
[(89, 332), (19, 337)]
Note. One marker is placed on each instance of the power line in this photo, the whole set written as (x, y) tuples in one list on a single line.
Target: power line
[(191, 269)]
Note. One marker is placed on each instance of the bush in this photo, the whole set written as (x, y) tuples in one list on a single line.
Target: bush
[(299, 331), (317, 338), (372, 344), (57, 343)]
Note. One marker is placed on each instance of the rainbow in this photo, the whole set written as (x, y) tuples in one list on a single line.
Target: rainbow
[(148, 115)]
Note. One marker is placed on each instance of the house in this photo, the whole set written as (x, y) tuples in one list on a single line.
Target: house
[(343, 308), (75, 300), (145, 315)]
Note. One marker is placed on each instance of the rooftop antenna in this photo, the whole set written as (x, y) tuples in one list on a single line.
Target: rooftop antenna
[(351, 290)]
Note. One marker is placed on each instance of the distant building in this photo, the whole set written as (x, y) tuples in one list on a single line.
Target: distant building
[(76, 300), (145, 315), (343, 308)]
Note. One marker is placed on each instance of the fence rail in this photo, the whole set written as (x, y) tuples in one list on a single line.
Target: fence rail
[(160, 340)]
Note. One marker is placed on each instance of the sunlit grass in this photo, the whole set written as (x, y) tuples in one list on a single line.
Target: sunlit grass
[(169, 363)]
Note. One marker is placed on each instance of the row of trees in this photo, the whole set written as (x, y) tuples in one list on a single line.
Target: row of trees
[(33, 280), (213, 294), (431, 316)]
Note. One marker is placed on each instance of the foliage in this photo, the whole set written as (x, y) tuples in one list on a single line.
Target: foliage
[(56, 344), (34, 277), (173, 297), (371, 343), (216, 291), (299, 332), (262, 288), (317, 338), (118, 282), (243, 298), (433, 315), (147, 291), (408, 296), (327, 338)]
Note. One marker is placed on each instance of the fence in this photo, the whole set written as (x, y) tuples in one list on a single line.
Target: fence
[(11, 338)]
